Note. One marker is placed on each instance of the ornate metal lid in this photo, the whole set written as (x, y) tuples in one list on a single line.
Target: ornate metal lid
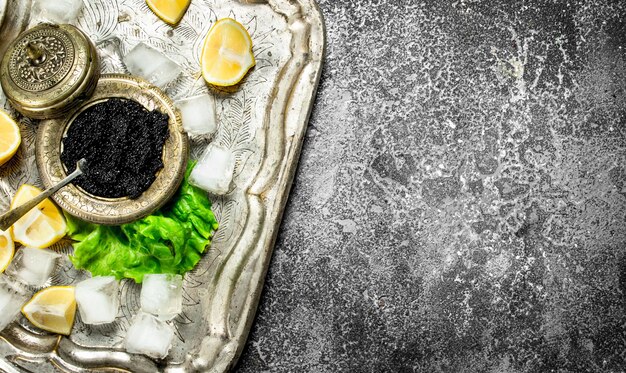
[(48, 70)]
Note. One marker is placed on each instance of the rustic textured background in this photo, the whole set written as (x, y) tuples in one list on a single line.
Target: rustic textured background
[(460, 204)]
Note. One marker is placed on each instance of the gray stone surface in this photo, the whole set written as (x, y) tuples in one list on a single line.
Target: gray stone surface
[(460, 204)]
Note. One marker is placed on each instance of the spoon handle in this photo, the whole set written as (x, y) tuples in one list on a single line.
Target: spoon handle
[(10, 217)]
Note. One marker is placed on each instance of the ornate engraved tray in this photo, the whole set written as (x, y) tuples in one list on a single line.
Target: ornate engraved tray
[(263, 121)]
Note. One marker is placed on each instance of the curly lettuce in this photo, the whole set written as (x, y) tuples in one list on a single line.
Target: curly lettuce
[(172, 240)]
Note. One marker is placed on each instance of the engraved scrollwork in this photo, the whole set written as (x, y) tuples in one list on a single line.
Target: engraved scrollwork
[(54, 60)]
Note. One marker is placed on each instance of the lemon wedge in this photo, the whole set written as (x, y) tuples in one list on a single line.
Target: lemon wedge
[(227, 53), (52, 309), (170, 11), (42, 226), (7, 249), (10, 138)]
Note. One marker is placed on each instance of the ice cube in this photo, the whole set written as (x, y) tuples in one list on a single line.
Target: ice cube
[(32, 266), (162, 295), (98, 300), (12, 298), (57, 11), (214, 171), (152, 65), (149, 336), (198, 115)]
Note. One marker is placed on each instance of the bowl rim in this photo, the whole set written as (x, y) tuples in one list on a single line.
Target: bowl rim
[(115, 211)]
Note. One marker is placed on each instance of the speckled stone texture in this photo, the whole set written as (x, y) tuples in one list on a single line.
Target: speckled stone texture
[(460, 204)]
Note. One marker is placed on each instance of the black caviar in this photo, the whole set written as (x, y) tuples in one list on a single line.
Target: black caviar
[(123, 145)]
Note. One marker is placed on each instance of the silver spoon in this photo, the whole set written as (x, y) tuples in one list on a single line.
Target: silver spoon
[(10, 217)]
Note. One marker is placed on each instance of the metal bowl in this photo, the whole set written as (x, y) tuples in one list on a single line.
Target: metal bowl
[(115, 211)]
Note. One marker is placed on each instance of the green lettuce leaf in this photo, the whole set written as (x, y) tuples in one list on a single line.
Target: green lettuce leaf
[(172, 240)]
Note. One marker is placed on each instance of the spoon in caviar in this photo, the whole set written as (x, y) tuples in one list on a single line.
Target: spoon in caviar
[(9, 218)]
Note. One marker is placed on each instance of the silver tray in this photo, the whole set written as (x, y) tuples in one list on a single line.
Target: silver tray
[(263, 121)]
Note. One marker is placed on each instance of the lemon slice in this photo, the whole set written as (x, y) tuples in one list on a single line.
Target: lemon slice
[(52, 309), (170, 11), (10, 138), (227, 53), (42, 226), (7, 249)]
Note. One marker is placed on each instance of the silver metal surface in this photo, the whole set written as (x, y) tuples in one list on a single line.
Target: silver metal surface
[(3, 9), (15, 18), (262, 121)]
